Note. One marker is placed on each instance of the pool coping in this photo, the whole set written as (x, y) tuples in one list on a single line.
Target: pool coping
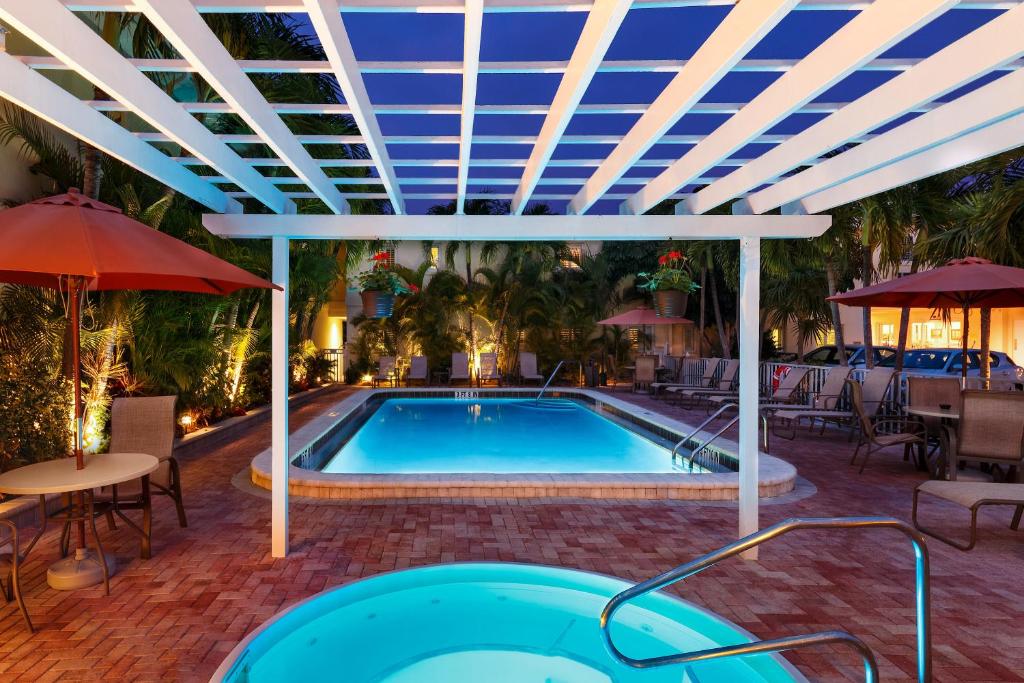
[(775, 476)]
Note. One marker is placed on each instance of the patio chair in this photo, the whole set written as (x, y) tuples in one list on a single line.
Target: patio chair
[(726, 385), (705, 381), (528, 368), (488, 369), (385, 372), (972, 495), (144, 425), (460, 369), (990, 430), (621, 377), (10, 567), (904, 432), (646, 372), (419, 371), (786, 395), (824, 406), (933, 393)]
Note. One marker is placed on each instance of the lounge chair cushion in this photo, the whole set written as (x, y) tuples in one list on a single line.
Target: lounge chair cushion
[(970, 493)]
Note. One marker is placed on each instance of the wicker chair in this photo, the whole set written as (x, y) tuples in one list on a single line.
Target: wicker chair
[(907, 433), (990, 430), (145, 425), (10, 583)]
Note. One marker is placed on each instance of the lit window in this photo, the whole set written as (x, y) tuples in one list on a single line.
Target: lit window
[(575, 255), (434, 255)]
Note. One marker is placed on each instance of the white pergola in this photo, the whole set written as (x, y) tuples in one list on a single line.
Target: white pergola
[(931, 114)]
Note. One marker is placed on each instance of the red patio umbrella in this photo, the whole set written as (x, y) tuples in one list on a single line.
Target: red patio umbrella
[(640, 317), (73, 243), (962, 283)]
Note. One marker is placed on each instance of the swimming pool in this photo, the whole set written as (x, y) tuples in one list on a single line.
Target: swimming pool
[(497, 435), (500, 623), (418, 460)]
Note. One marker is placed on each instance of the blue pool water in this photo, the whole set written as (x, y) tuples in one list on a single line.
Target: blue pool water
[(498, 436), (493, 623)]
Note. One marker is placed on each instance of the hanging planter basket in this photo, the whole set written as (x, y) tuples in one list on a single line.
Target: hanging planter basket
[(377, 304), (670, 303)]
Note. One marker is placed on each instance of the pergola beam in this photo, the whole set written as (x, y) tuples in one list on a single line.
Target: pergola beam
[(980, 144), (484, 228), (292, 66), (602, 24), (491, 6), (991, 103), (989, 46), (453, 163), (50, 25), (473, 27), (47, 100), (326, 19), (741, 29), (187, 31), (871, 32), (316, 139)]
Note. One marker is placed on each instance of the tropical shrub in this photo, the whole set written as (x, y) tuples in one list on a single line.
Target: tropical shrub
[(35, 412)]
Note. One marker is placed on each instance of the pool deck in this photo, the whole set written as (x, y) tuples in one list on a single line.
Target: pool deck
[(174, 617)]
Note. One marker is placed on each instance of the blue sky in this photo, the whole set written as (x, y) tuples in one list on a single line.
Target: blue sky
[(666, 33)]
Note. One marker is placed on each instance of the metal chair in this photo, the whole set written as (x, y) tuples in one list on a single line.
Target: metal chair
[(10, 564), (908, 433)]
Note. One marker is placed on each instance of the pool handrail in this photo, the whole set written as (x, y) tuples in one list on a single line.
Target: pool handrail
[(551, 377), (922, 600), (702, 425)]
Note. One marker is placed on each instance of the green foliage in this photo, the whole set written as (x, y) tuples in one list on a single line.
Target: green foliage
[(35, 414)]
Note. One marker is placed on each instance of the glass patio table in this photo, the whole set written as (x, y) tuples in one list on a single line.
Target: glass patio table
[(60, 476)]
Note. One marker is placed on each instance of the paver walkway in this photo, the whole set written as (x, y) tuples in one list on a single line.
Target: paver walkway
[(176, 616)]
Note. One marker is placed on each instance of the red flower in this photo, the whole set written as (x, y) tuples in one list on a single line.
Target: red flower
[(414, 289), (662, 260), (675, 255), (380, 256)]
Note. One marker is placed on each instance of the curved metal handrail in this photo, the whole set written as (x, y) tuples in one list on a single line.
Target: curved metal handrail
[(703, 446), (702, 425), (922, 590), (554, 373)]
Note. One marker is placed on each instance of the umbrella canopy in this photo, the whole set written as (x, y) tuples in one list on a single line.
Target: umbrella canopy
[(962, 283), (969, 282), (73, 243), (71, 236), (642, 316)]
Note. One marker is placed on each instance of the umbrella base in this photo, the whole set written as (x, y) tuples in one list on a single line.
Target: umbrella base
[(80, 570)]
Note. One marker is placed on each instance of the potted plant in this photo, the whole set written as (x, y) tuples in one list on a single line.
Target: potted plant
[(379, 286), (670, 284)]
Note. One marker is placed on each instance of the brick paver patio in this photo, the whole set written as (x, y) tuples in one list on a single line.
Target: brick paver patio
[(176, 616)]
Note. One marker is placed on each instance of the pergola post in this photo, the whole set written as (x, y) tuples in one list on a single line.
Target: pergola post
[(750, 348), (279, 398)]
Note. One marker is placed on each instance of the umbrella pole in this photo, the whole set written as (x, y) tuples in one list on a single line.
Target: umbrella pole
[(963, 347), (74, 301)]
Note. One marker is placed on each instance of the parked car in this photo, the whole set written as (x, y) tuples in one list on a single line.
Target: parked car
[(947, 362), (829, 355)]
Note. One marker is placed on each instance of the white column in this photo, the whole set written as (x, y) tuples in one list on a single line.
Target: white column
[(279, 399), (750, 348)]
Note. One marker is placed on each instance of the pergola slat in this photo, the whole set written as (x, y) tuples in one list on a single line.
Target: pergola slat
[(45, 99), (179, 23), (326, 19), (994, 43), (980, 144), (871, 32), (49, 24), (741, 29), (471, 62), (602, 24)]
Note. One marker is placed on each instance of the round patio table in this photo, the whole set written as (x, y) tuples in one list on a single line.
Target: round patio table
[(60, 476)]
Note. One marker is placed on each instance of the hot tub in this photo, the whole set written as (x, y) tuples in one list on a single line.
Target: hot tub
[(499, 623)]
